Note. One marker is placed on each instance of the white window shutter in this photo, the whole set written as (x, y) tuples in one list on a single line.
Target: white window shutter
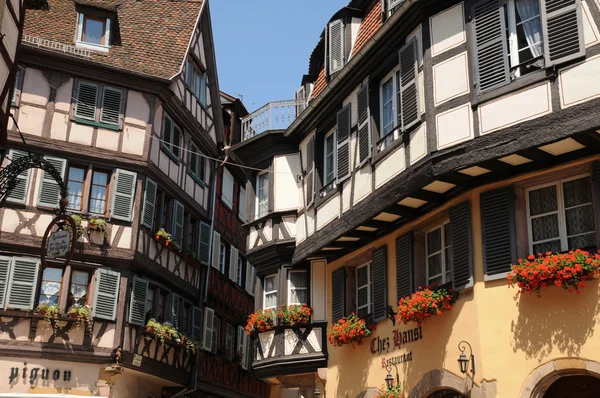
[(364, 124), (178, 222), (123, 195), (49, 193), (174, 309), (409, 114), (197, 324), (309, 174), (137, 304), (87, 97), (150, 191), (242, 340), (233, 264), (22, 283), (336, 46), (227, 188), (216, 247), (106, 295), (204, 243), (19, 192), (4, 275), (112, 102), (209, 318)]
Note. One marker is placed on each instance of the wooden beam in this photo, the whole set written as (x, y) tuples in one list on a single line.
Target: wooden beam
[(497, 166), (402, 211), (589, 140), (537, 155), (377, 224), (457, 178), (427, 196), (360, 234)]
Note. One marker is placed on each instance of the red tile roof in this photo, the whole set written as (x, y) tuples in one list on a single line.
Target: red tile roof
[(320, 84), (152, 39), (371, 24)]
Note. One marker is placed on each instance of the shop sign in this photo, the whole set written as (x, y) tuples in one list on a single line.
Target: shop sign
[(396, 360), (380, 345), (35, 373), (137, 360), (58, 244)]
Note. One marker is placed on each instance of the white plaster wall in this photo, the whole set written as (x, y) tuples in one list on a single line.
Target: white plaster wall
[(328, 212), (125, 241), (318, 290), (447, 29), (108, 338), (300, 229), (290, 225), (580, 83), (362, 183), (454, 126), (310, 217), (31, 119), (418, 144), (81, 134), (138, 110), (173, 171), (515, 108), (63, 95), (352, 99), (60, 125), (590, 30), (450, 78), (36, 89), (346, 191), (20, 330), (390, 167), (10, 32), (133, 140), (108, 139), (266, 339), (287, 170)]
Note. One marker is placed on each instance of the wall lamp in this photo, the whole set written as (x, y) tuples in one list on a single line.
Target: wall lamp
[(463, 360), (389, 379), (317, 392)]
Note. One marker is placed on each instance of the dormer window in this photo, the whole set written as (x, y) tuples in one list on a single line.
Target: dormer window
[(93, 32), (335, 45)]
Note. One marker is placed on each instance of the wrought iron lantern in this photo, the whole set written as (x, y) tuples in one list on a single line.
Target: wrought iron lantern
[(463, 360)]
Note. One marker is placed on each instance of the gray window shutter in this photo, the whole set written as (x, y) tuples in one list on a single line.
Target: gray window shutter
[(491, 49), (408, 105), (343, 143), (107, 292), (4, 275), (137, 305), (563, 31), (216, 248), (22, 283), (193, 159), (49, 194), (112, 102), (178, 222), (149, 203), (209, 319), (310, 171), (123, 194), (87, 96), (174, 309), (404, 266), (379, 280), (364, 124), (177, 133), (338, 300), (19, 193), (167, 131), (336, 46), (204, 243), (233, 263), (462, 259), (197, 324), (498, 231)]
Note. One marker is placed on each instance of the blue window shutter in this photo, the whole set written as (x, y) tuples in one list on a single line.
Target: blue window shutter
[(336, 46), (404, 265), (137, 305), (49, 192), (149, 203), (174, 310), (106, 295), (123, 194), (498, 231), (5, 265), (310, 172), (209, 319), (178, 222), (19, 193), (22, 283), (364, 124)]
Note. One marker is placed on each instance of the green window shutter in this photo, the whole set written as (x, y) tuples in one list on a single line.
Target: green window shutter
[(123, 194), (379, 280), (310, 171), (491, 49), (409, 113), (49, 192), (174, 309), (404, 266), (150, 191), (106, 295), (563, 31), (193, 159), (336, 46), (462, 259), (343, 143), (216, 247), (22, 283), (87, 98), (19, 192), (4, 275), (201, 167), (137, 304), (167, 131), (197, 324), (233, 264), (338, 301), (204, 243), (177, 134), (364, 124), (178, 222), (112, 103), (498, 231), (209, 319)]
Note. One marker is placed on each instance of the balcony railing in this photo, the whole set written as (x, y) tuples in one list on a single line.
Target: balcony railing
[(276, 115)]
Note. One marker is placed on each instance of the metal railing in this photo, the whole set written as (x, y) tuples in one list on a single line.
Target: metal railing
[(276, 115), (65, 48)]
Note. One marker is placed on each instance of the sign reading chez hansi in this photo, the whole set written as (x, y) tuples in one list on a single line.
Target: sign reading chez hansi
[(380, 345)]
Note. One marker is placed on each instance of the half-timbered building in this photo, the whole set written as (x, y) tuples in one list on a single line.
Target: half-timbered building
[(431, 143), (122, 98)]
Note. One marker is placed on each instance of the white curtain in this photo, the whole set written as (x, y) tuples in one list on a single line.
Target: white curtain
[(533, 28)]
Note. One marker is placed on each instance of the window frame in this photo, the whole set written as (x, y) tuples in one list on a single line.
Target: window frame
[(369, 286), (332, 133), (80, 42), (198, 175), (290, 288), (241, 265), (191, 64), (223, 257), (109, 175), (90, 275), (441, 226), (265, 292), (84, 186), (266, 190), (167, 146), (393, 75), (513, 40)]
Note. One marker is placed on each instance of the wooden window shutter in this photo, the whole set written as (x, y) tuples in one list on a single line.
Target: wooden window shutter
[(177, 133), (408, 104), (22, 283), (563, 31), (137, 304), (338, 300), (216, 249), (49, 193), (112, 103), (491, 49), (203, 84), (336, 46), (343, 143), (174, 309), (364, 124), (19, 192), (107, 292), (87, 97), (498, 231), (5, 263), (204, 243), (379, 283), (123, 195), (178, 222), (462, 260), (209, 319), (197, 324), (404, 266), (150, 191), (310, 171), (233, 264)]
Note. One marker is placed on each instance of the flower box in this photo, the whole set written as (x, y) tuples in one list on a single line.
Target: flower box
[(349, 330), (259, 322), (293, 315), (423, 304)]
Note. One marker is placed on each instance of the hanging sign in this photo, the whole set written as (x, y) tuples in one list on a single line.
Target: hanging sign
[(58, 244)]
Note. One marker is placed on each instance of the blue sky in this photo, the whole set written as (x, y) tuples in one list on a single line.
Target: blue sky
[(263, 46)]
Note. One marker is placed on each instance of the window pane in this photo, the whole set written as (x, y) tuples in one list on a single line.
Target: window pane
[(98, 192), (580, 220), (582, 241), (271, 300), (79, 288), (52, 274), (94, 31), (448, 259), (299, 296), (75, 186), (447, 235), (100, 178), (50, 288), (434, 241), (363, 312), (544, 227), (552, 246), (269, 284), (577, 192), (363, 296), (435, 265), (543, 200), (298, 279), (362, 276)]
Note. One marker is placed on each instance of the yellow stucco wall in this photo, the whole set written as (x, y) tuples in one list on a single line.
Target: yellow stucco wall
[(511, 335)]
